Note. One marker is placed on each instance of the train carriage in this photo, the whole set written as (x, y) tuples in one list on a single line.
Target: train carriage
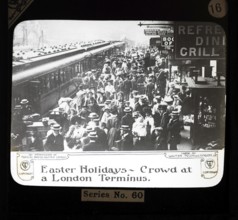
[(43, 80)]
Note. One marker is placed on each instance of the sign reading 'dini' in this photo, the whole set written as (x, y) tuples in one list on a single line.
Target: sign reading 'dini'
[(199, 40)]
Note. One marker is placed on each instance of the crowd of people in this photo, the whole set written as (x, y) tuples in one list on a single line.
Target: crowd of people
[(128, 105)]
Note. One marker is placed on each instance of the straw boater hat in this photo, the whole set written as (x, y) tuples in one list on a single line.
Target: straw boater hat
[(18, 107), (89, 129), (93, 134), (55, 112), (135, 92), (24, 101), (163, 105), (35, 116), (107, 61), (158, 128), (125, 127), (174, 113), (168, 99), (96, 119), (56, 127), (93, 115), (127, 109)]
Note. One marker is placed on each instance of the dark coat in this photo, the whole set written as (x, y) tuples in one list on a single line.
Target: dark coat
[(113, 122), (127, 142), (95, 108), (113, 135), (92, 146), (138, 107), (127, 120), (161, 78), (102, 138), (54, 143), (165, 120), (18, 128), (174, 127), (26, 110), (157, 119), (159, 142), (149, 89), (37, 145), (133, 84), (127, 86)]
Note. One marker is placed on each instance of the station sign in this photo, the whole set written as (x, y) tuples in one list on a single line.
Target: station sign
[(199, 41), (156, 31)]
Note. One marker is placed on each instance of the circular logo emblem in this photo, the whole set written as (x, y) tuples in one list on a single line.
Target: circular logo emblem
[(25, 165), (209, 163)]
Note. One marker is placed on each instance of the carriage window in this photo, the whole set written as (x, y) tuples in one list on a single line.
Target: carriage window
[(67, 74), (43, 84), (62, 76), (76, 68), (81, 67), (60, 81), (72, 71), (40, 85), (52, 81), (48, 83)]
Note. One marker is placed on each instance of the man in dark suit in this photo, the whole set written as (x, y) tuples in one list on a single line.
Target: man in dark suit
[(161, 78), (137, 105), (102, 137), (127, 119), (174, 127), (55, 141), (164, 122), (127, 88), (158, 114), (149, 90), (93, 144), (26, 108), (126, 142), (158, 140)]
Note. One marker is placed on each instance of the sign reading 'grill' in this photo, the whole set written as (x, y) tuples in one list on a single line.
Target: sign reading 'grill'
[(199, 41)]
